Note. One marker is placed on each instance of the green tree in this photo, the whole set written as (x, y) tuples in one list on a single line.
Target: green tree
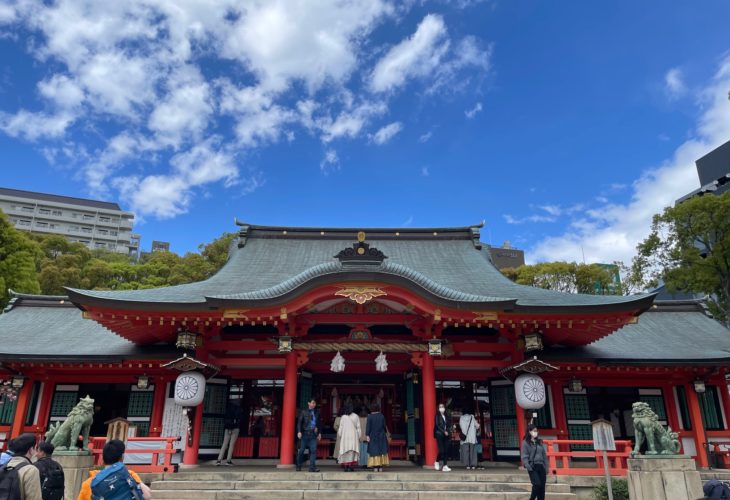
[(689, 249), (567, 277), (216, 252), (18, 255)]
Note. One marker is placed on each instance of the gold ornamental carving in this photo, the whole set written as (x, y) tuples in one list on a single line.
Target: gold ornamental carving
[(484, 316), (235, 314), (360, 294)]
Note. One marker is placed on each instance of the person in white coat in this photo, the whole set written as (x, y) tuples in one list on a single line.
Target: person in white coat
[(348, 435)]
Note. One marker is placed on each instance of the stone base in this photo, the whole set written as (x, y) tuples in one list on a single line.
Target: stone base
[(76, 469), (660, 478), (285, 466), (187, 466)]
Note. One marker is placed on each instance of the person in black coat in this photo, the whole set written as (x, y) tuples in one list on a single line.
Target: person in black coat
[(232, 425), (376, 434), (308, 427), (442, 433), (51, 472)]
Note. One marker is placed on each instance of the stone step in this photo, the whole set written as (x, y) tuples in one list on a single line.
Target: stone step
[(354, 485), (485, 476), (338, 495)]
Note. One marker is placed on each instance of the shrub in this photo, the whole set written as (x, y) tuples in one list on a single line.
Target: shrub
[(620, 490)]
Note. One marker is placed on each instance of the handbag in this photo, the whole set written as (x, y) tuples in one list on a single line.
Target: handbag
[(462, 436)]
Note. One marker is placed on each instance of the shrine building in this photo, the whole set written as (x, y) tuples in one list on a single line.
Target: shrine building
[(264, 330)]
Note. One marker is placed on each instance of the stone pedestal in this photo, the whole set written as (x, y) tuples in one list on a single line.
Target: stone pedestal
[(75, 470), (663, 477)]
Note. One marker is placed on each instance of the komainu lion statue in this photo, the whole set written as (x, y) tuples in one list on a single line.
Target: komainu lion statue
[(64, 435), (659, 441)]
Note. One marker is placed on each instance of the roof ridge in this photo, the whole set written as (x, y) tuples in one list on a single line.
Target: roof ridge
[(355, 229)]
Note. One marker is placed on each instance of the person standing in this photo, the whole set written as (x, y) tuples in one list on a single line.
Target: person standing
[(18, 478), (348, 436), (51, 472), (377, 439), (115, 481), (7, 454), (441, 431), (468, 449), (308, 433), (534, 458), (336, 427), (232, 426), (363, 460)]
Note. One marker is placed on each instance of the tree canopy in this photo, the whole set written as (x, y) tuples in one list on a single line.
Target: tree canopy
[(689, 250), (571, 277), (36, 263)]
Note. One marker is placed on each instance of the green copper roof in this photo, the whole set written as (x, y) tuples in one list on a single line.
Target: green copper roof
[(270, 265), (675, 332)]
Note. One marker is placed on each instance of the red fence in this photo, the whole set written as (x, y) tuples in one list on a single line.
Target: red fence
[(561, 458), (97, 443)]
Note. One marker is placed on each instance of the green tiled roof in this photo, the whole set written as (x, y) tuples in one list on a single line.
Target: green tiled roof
[(51, 327), (447, 265), (676, 332)]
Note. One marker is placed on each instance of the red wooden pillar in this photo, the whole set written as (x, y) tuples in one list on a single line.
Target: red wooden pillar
[(21, 408), (288, 413), (190, 458), (428, 383), (158, 407), (521, 424), (698, 427)]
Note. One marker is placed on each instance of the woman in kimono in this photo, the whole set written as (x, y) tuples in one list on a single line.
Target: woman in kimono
[(377, 438), (348, 437)]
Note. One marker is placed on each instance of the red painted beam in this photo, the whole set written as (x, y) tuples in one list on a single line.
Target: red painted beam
[(252, 362), (474, 364)]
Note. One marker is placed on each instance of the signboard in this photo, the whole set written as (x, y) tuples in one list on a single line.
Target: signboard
[(603, 435)]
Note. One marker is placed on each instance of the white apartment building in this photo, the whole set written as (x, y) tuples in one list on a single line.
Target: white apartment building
[(96, 224)]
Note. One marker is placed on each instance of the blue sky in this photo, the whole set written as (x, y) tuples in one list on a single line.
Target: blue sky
[(564, 125)]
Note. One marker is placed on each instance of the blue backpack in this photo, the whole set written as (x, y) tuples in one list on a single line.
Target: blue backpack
[(115, 483)]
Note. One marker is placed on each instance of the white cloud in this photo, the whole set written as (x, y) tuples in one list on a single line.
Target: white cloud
[(34, 126), (674, 84), (129, 98), (471, 113), (309, 41), (425, 137), (330, 162), (509, 219), (415, 56), (425, 172), (166, 196), (386, 133), (610, 232), (186, 109)]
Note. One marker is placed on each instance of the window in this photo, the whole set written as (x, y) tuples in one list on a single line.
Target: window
[(41, 224), (27, 209), (73, 229), (86, 230), (88, 217), (85, 242), (99, 244), (710, 406), (102, 231), (113, 232), (23, 222), (54, 226), (75, 215), (44, 211), (57, 213), (104, 219), (115, 221)]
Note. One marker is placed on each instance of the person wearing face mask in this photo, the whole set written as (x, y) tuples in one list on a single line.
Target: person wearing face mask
[(441, 432), (534, 458)]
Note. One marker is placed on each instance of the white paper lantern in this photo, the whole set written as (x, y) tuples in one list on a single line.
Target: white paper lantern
[(381, 363), (189, 389), (530, 391)]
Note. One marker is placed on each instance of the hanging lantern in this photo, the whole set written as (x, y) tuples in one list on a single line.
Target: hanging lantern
[(190, 388), (187, 340), (575, 385), (285, 344), (530, 391), (434, 347), (381, 363), (338, 363)]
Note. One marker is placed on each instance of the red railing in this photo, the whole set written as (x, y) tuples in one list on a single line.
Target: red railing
[(96, 444), (723, 453), (561, 463)]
